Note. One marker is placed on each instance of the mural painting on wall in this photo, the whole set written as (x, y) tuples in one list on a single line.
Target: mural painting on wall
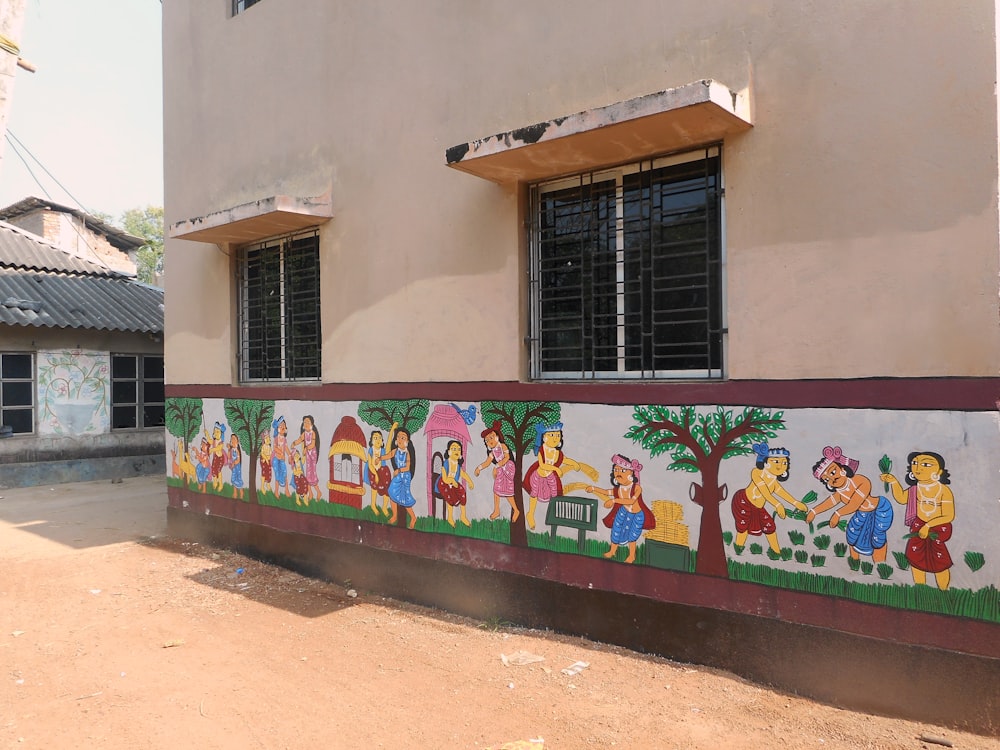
[(73, 392), (523, 473)]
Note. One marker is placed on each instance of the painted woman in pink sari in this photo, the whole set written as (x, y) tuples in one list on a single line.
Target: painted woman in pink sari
[(498, 453), (309, 440)]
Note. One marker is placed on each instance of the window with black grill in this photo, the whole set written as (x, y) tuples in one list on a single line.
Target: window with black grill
[(17, 392), (280, 310), (136, 391), (626, 272), (241, 5)]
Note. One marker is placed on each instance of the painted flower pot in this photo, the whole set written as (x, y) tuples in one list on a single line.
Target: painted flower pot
[(74, 414)]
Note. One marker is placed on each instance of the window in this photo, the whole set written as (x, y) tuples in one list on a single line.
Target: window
[(279, 309), (17, 392), (627, 270), (136, 391), (347, 469), (241, 5)]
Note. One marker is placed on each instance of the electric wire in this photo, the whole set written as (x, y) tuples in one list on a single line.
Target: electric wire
[(10, 135), (16, 146), (27, 166)]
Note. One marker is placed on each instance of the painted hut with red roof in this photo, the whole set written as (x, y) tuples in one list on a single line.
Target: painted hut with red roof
[(347, 454)]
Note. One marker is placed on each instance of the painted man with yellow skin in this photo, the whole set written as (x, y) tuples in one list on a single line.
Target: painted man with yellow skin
[(930, 510), (265, 461), (764, 489), (543, 480)]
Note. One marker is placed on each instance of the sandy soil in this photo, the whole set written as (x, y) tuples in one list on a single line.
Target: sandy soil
[(113, 635)]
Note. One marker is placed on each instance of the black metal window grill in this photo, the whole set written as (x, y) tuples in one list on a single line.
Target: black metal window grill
[(136, 391), (280, 309), (241, 5), (627, 272), (17, 392)]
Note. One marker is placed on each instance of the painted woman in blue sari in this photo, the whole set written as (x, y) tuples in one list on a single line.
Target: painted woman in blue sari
[(404, 459), (629, 515)]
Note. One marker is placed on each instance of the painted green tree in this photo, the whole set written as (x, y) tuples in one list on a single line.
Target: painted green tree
[(698, 442), (183, 418), (410, 414), (248, 419), (517, 422)]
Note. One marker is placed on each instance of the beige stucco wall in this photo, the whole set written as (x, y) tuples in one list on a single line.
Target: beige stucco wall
[(27, 339), (861, 210)]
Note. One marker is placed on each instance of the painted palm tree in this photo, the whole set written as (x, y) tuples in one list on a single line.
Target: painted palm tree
[(249, 419)]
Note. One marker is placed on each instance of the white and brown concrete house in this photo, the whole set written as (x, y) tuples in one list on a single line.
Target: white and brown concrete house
[(81, 367), (670, 324)]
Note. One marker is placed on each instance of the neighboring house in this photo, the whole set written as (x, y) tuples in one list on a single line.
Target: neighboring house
[(730, 269), (76, 232), (81, 367)]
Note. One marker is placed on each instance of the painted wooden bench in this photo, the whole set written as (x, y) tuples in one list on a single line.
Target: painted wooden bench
[(578, 513)]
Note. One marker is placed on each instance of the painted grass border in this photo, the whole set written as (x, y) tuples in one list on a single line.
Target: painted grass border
[(980, 604)]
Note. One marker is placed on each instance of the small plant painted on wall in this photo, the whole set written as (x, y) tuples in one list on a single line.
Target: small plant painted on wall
[(524, 474)]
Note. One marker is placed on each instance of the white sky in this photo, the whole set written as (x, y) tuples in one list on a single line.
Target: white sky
[(92, 114)]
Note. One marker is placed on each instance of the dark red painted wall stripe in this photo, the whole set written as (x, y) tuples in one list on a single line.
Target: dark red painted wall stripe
[(958, 394)]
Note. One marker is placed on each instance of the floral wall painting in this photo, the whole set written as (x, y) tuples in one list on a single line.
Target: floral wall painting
[(886, 507), (73, 392)]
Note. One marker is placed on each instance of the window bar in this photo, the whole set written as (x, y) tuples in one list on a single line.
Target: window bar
[(709, 279), (620, 321), (283, 307), (647, 339), (583, 237), (244, 281)]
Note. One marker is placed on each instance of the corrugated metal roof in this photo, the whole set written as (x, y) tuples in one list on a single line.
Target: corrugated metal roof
[(41, 285), (38, 298), (20, 248)]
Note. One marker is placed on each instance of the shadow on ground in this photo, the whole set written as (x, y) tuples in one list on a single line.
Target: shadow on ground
[(273, 586), (80, 515)]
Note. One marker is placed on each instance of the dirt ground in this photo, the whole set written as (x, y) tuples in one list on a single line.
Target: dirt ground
[(113, 635)]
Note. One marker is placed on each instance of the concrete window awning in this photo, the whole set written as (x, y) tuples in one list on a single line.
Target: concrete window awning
[(687, 116), (259, 220)]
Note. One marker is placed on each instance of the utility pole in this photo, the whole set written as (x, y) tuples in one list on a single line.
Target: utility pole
[(11, 23)]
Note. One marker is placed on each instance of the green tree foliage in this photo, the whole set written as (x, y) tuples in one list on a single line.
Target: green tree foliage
[(146, 223), (248, 419), (410, 414), (698, 442), (517, 423), (183, 418)]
